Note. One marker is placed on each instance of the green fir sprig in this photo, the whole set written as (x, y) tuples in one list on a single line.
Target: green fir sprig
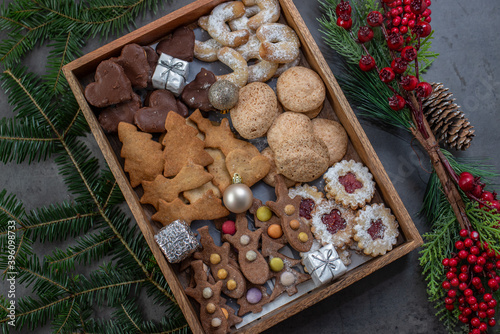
[(47, 125)]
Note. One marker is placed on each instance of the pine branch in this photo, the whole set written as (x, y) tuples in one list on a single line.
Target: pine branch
[(26, 139), (90, 247)]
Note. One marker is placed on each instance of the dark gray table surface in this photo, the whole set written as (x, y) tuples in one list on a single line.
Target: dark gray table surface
[(393, 299)]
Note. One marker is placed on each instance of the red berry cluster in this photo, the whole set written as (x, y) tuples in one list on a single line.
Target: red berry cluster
[(395, 25), (405, 15), (473, 188), (471, 278), (343, 11)]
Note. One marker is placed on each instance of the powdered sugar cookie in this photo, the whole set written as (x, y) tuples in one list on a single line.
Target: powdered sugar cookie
[(219, 30), (349, 183), (241, 23), (333, 224), (311, 199), (375, 230)]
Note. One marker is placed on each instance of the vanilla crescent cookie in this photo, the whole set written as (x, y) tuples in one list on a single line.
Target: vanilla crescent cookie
[(262, 70), (237, 63), (333, 224), (350, 184), (311, 200), (241, 23), (375, 229), (269, 13), (219, 30), (206, 51), (280, 43)]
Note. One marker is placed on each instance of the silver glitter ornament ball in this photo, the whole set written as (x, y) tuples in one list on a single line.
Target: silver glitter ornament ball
[(223, 94)]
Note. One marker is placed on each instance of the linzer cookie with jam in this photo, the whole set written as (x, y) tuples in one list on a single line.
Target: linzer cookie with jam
[(350, 184), (375, 230)]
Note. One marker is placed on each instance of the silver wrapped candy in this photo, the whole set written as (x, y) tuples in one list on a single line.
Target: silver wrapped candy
[(170, 74), (177, 241), (324, 265)]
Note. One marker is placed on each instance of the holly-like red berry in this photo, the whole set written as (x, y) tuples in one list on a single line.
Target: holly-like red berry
[(365, 34), (409, 82), (423, 89), (492, 322), (366, 63), (399, 65), (395, 41), (422, 29), (474, 235), (409, 53), (418, 6), (343, 8), (374, 19), (387, 74), (396, 102), (466, 181), (464, 233), (344, 21)]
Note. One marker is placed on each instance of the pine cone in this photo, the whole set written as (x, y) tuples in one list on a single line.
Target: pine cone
[(447, 121)]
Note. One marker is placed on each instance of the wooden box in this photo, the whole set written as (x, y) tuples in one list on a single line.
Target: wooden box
[(336, 107)]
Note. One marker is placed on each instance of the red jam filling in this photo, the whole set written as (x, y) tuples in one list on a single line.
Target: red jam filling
[(350, 182), (306, 207), (334, 221), (377, 229)]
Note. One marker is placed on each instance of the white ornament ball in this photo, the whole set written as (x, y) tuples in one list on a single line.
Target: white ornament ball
[(238, 198)]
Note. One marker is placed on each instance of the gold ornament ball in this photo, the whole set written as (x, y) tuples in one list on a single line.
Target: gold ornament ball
[(238, 198), (223, 94)]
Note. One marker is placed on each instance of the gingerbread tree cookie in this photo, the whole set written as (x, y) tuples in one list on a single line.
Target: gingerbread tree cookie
[(297, 232), (286, 278), (143, 156), (191, 176), (208, 296), (181, 144), (252, 263), (207, 207), (217, 258)]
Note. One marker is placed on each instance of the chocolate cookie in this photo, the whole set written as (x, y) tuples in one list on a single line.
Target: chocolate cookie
[(178, 45), (160, 102), (195, 94), (123, 112), (135, 63), (111, 86)]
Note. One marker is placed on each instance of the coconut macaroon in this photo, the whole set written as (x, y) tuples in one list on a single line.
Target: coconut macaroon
[(333, 135), (350, 184), (255, 111), (375, 229), (300, 89)]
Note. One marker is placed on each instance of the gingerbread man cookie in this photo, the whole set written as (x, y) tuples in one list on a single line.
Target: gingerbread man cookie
[(208, 296), (297, 232), (217, 258), (252, 263)]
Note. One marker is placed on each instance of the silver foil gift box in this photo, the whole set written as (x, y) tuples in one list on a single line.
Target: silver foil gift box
[(170, 74), (324, 265), (177, 241)]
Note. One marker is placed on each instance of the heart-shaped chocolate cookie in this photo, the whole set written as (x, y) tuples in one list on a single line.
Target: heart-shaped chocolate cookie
[(178, 45), (123, 112), (195, 94), (135, 63), (111, 85), (160, 102), (250, 167)]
